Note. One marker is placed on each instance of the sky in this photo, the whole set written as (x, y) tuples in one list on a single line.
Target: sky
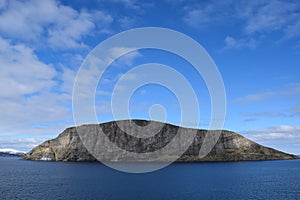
[(254, 44)]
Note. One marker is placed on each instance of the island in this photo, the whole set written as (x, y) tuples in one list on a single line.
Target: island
[(230, 146)]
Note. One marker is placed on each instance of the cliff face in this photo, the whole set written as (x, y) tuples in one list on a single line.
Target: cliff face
[(229, 147)]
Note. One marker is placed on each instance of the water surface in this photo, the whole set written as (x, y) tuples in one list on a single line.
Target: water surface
[(233, 180)]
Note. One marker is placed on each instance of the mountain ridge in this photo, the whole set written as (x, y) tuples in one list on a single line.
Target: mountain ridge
[(8, 152), (230, 146)]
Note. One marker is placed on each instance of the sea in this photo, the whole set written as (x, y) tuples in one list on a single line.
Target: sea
[(39, 180)]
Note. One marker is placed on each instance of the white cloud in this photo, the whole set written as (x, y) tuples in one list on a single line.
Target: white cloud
[(35, 97), (22, 72), (22, 144), (232, 43), (284, 137), (58, 25), (274, 133), (21, 116), (70, 33), (29, 93)]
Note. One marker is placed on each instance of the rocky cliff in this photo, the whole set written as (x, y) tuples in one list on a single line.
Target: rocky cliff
[(230, 146)]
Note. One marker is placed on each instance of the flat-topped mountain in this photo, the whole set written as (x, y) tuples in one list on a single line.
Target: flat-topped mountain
[(230, 146)]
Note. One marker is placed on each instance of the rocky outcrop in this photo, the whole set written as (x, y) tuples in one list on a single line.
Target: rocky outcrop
[(230, 146), (66, 147)]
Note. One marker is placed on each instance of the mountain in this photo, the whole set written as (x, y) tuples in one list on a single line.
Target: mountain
[(11, 153), (230, 146)]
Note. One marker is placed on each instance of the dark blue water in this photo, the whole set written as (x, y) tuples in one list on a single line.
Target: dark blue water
[(239, 180)]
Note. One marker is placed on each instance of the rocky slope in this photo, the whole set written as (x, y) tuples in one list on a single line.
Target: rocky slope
[(230, 146)]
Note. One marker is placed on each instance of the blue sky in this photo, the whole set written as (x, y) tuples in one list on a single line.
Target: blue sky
[(255, 44)]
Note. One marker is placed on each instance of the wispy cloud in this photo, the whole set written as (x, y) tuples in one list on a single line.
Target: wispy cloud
[(127, 22), (232, 43), (290, 90), (132, 4), (136, 5), (203, 14), (294, 111), (255, 97), (264, 114), (268, 16), (292, 30), (257, 18)]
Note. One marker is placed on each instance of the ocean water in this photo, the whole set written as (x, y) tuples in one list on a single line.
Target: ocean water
[(233, 180)]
